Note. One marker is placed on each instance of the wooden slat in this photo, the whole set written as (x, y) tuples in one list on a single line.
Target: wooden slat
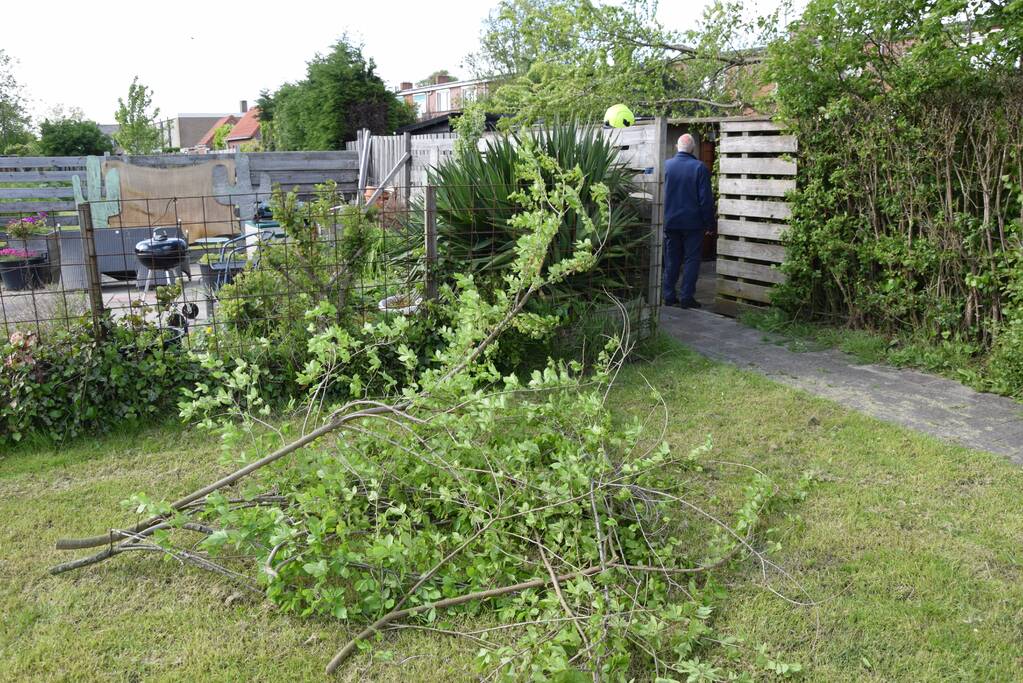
[(750, 271), (743, 290), (32, 207), (755, 208), (760, 166), (36, 176), (738, 144), (756, 187), (762, 231), (288, 178), (342, 161), (42, 162), (744, 126), (36, 192), (775, 253)]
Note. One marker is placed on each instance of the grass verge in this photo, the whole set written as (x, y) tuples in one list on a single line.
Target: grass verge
[(910, 548)]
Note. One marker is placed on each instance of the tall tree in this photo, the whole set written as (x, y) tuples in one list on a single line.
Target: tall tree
[(70, 137), (576, 57), (340, 94), (14, 119), (138, 133)]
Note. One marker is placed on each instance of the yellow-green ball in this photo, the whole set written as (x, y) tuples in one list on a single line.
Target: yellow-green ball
[(619, 116)]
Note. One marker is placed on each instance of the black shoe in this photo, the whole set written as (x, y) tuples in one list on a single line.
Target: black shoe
[(673, 304), (690, 303)]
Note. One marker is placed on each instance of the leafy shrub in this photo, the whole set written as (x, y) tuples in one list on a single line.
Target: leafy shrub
[(67, 384), (332, 258), (905, 217)]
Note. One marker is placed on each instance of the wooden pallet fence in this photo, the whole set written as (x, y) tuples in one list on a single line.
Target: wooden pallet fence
[(756, 170)]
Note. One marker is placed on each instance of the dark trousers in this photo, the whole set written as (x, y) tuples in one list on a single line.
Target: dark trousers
[(682, 252)]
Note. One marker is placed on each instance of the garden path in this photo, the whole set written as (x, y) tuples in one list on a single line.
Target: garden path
[(925, 403)]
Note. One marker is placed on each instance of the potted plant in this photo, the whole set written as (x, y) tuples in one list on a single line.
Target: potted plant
[(21, 268), (33, 233)]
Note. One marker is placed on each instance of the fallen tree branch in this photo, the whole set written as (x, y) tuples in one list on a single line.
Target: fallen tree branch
[(394, 615)]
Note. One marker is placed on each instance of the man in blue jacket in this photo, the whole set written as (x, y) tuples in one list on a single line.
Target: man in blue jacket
[(688, 215)]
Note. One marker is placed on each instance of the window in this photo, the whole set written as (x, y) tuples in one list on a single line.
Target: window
[(444, 100), (468, 94), (420, 102)]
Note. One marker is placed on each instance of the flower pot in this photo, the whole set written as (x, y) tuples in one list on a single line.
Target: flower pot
[(404, 304), (44, 243), (23, 274)]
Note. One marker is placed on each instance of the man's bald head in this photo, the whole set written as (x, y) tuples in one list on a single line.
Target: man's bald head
[(686, 143)]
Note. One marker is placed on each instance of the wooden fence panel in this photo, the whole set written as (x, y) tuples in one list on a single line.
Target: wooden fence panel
[(755, 175)]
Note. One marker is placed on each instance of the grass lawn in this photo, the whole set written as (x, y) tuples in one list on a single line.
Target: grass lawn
[(912, 549)]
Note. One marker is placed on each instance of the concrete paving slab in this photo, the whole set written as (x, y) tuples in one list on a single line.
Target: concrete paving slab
[(926, 403)]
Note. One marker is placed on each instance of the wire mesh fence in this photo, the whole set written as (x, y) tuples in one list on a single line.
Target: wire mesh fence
[(236, 267)]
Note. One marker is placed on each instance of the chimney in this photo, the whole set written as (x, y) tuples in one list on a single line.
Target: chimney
[(444, 79), (405, 85), (243, 106)]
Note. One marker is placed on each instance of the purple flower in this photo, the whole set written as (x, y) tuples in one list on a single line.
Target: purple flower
[(12, 253)]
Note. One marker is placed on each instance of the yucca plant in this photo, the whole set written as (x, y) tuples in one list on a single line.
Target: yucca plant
[(473, 208)]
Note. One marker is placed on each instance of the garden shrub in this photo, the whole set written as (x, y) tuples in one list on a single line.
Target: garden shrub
[(67, 384), (476, 204), (907, 215)]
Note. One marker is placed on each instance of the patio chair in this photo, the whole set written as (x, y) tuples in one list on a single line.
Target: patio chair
[(235, 255)]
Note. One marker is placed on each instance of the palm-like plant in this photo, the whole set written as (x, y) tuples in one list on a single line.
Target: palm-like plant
[(473, 211)]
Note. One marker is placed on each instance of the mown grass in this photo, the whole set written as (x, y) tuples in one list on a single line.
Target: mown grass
[(949, 357), (912, 549)]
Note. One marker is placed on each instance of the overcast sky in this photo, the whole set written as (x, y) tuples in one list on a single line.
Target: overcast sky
[(206, 56)]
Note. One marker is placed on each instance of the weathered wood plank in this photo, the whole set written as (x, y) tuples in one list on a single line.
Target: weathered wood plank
[(743, 290), (36, 192), (780, 144), (775, 253), (744, 126), (36, 176), (754, 208), (750, 271), (760, 166), (42, 162), (346, 163), (33, 207), (761, 231), (756, 187), (287, 178)]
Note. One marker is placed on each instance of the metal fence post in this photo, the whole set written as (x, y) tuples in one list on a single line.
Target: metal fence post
[(91, 269), (430, 221), (407, 178)]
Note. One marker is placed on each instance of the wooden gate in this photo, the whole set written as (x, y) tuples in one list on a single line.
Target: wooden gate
[(756, 170)]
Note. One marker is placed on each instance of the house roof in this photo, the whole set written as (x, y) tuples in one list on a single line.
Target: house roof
[(207, 139), (247, 126), (442, 86)]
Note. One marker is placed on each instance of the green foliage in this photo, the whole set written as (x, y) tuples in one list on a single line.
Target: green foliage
[(330, 275), (138, 133), (220, 136), (14, 119), (340, 94), (907, 215), (432, 78), (67, 385), (475, 481), (576, 57), (478, 213), (73, 137)]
